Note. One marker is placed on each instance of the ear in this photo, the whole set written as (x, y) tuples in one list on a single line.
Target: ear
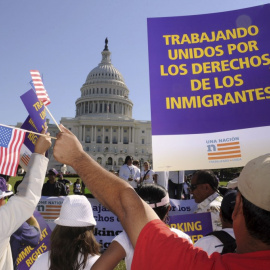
[(238, 208), (167, 214), (207, 187)]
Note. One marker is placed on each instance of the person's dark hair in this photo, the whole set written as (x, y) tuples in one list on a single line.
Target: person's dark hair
[(136, 162), (207, 177), (66, 245), (152, 193), (257, 221), (127, 159)]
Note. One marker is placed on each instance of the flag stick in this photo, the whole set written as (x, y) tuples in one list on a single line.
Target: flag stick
[(40, 134), (53, 118)]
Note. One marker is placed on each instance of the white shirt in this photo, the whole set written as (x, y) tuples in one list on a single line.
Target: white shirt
[(21, 206), (212, 244), (211, 204), (162, 179), (43, 263), (128, 172), (177, 177), (148, 177), (186, 188), (124, 241)]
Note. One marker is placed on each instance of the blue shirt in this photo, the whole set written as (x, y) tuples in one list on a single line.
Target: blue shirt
[(26, 235)]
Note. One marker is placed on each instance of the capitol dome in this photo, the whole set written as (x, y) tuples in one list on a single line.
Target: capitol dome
[(104, 92), (105, 70)]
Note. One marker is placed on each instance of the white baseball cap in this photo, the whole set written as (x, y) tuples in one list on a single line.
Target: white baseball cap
[(254, 182), (76, 211)]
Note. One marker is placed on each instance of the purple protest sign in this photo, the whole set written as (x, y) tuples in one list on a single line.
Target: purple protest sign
[(210, 73), (210, 88), (28, 255), (195, 225), (30, 138), (34, 122), (35, 108)]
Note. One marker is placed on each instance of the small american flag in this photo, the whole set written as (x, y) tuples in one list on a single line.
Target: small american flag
[(39, 87), (25, 158), (11, 141)]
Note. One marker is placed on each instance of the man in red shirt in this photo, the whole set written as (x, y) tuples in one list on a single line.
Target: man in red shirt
[(156, 247)]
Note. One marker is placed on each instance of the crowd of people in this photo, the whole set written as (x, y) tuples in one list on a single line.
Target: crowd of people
[(240, 220)]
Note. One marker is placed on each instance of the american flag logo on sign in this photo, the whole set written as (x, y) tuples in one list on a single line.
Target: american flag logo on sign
[(51, 212), (224, 150)]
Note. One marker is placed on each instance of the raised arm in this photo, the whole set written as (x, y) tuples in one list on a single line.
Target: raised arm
[(114, 193), (22, 205), (110, 258)]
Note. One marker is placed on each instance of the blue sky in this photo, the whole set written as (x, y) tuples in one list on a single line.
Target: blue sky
[(63, 40)]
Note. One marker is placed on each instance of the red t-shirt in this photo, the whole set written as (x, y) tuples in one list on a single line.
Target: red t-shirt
[(158, 248)]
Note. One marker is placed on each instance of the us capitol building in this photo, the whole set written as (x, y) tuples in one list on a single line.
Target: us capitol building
[(103, 122)]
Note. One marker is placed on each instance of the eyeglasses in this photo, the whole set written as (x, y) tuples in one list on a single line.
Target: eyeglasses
[(192, 187)]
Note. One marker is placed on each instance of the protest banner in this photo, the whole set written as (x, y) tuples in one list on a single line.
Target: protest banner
[(210, 88), (108, 225), (34, 122), (182, 207), (35, 108), (28, 255), (195, 225)]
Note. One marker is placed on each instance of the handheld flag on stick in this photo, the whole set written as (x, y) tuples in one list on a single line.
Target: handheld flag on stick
[(29, 131), (41, 92), (11, 141), (39, 87)]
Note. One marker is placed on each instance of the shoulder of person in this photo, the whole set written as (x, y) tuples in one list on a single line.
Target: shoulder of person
[(181, 234), (215, 205), (42, 262), (206, 241), (135, 168)]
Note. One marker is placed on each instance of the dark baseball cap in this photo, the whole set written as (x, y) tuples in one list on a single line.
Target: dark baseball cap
[(228, 203), (53, 171)]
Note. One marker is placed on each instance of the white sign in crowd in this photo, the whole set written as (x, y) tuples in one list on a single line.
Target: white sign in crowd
[(108, 225)]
